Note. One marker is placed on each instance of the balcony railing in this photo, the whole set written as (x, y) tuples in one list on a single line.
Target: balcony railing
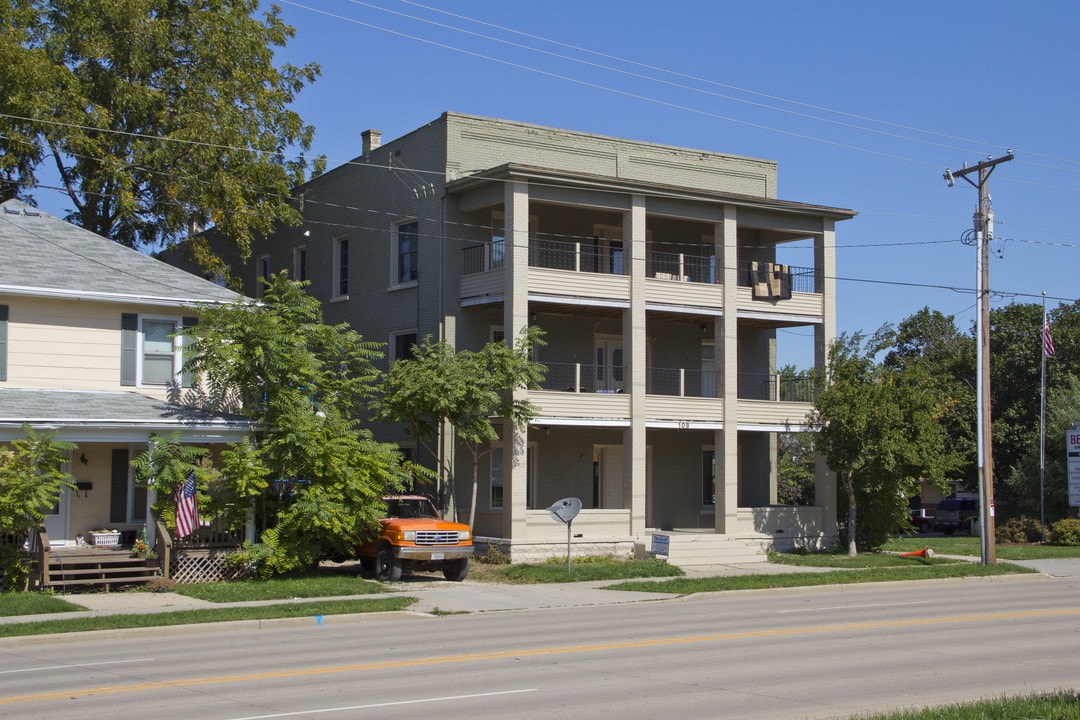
[(774, 387), (677, 382), (586, 257)]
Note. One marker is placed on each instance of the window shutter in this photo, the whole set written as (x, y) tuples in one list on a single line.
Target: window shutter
[(129, 346), (118, 490), (185, 376), (3, 341)]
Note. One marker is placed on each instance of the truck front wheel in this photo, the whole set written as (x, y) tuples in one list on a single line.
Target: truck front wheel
[(456, 570), (387, 567)]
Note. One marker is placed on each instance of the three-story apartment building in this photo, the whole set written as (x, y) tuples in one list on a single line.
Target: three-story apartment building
[(653, 271)]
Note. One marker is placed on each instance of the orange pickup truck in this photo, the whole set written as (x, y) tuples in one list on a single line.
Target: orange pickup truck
[(415, 537)]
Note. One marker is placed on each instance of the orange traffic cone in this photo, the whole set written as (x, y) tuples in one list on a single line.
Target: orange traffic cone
[(925, 552)]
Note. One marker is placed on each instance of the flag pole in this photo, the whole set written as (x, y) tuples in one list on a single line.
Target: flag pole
[(1043, 331)]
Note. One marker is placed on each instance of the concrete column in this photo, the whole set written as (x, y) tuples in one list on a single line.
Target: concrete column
[(824, 335), (634, 340), (726, 332), (515, 319)]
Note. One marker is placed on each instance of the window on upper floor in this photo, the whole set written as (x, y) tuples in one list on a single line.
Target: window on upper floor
[(341, 267), (300, 263), (406, 241), (151, 351), (264, 274), (3, 341)]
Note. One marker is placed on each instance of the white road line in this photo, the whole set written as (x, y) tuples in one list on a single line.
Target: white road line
[(76, 665), (386, 704)]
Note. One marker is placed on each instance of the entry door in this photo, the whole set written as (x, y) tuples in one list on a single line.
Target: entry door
[(608, 250), (58, 522), (609, 364), (611, 477)]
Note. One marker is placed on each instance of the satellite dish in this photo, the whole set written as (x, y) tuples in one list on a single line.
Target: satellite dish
[(565, 510)]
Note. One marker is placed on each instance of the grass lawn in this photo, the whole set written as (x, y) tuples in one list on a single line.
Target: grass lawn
[(970, 546), (842, 570), (32, 603), (581, 569), (312, 586), (1061, 705), (313, 609)]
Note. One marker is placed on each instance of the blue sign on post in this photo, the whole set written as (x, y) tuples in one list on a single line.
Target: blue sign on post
[(660, 545)]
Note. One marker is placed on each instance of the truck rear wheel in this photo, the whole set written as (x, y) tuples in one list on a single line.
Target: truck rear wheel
[(456, 570), (387, 567)]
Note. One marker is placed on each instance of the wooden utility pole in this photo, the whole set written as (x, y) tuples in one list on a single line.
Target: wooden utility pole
[(984, 233)]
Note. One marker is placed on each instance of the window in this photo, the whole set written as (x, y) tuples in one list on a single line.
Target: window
[(300, 263), (3, 341), (264, 273), (151, 353), (406, 238), (708, 477), (403, 343), (341, 267), (497, 476)]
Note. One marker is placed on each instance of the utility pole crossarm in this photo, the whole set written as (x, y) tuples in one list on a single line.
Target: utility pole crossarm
[(987, 165)]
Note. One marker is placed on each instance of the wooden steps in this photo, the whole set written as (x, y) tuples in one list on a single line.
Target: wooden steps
[(97, 568)]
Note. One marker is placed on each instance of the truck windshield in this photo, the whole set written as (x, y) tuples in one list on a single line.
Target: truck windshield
[(410, 508)]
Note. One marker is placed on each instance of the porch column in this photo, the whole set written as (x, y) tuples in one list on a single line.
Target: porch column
[(515, 319), (824, 335), (634, 339), (726, 332)]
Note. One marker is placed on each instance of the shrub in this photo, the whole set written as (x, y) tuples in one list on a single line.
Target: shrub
[(1065, 532), (493, 555), (1020, 530), (161, 585)]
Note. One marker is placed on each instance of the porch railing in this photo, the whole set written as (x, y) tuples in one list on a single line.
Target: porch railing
[(678, 382), (586, 257), (777, 388)]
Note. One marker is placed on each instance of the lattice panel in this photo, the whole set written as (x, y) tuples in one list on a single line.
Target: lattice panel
[(199, 566)]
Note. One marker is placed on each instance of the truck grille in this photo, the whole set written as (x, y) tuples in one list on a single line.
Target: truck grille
[(436, 537)]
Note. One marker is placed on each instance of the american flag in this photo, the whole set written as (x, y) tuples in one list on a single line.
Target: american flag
[(1047, 341), (187, 507)]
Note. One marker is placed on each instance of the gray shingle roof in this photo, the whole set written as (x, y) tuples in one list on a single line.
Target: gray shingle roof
[(42, 253), (100, 411)]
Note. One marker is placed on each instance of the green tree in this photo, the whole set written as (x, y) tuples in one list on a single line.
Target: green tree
[(31, 482), (795, 476), (465, 390), (164, 467), (157, 114), (1062, 413), (932, 339), (302, 384), (881, 431)]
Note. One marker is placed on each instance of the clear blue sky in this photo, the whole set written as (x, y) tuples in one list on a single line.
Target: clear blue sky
[(863, 104)]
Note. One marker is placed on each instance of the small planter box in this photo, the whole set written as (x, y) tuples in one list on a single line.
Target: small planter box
[(99, 539)]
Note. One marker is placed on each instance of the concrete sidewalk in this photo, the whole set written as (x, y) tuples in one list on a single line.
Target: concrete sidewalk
[(432, 593), (435, 594)]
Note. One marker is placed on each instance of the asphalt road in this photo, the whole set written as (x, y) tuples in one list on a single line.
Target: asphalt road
[(828, 652)]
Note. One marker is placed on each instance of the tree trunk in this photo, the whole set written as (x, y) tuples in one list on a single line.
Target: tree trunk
[(475, 482), (849, 483)]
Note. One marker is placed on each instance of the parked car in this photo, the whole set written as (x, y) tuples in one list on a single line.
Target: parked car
[(954, 514), (414, 536), (922, 522)]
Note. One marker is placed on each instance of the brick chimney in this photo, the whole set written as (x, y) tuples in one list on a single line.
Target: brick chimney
[(372, 139)]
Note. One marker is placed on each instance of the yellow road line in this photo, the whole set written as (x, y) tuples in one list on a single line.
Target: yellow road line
[(503, 654)]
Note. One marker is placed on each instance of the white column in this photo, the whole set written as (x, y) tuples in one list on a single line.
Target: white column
[(634, 339), (726, 332), (824, 335), (515, 319)]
